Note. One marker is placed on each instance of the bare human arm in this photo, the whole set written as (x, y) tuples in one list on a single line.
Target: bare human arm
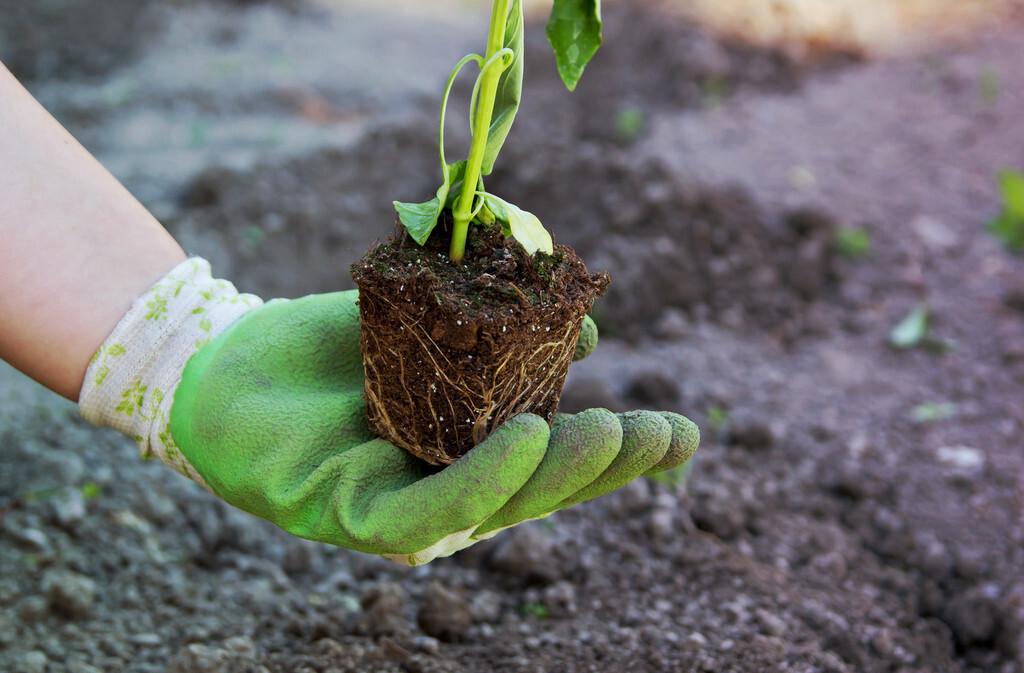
[(75, 247)]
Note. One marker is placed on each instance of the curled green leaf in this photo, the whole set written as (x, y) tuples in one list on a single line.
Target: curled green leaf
[(420, 219), (521, 225)]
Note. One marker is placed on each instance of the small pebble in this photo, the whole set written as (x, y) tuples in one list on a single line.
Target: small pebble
[(33, 662), (770, 623), (427, 645), (146, 639), (695, 641)]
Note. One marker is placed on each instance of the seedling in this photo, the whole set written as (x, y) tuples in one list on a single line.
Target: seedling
[(471, 315), (536, 610), (574, 31), (931, 412), (1008, 226), (630, 123), (718, 418), (853, 242)]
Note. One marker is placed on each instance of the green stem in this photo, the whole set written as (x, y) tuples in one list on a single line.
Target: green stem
[(463, 210)]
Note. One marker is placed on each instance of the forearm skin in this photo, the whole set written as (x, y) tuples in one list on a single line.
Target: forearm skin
[(75, 247)]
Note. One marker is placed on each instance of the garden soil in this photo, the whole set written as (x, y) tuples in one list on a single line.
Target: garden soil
[(853, 507)]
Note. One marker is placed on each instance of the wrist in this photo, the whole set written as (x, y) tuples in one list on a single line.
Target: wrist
[(130, 382)]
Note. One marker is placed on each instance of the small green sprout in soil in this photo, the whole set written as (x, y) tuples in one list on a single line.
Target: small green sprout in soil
[(1008, 226), (574, 31), (931, 412), (536, 610), (630, 123), (90, 490), (912, 330), (253, 237), (718, 417), (853, 242)]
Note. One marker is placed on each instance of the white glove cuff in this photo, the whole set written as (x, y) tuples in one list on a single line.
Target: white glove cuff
[(131, 379)]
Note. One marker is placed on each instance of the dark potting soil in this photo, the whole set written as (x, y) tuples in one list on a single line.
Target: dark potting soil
[(452, 351)]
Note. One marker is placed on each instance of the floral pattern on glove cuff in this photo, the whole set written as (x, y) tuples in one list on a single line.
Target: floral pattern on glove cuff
[(131, 379)]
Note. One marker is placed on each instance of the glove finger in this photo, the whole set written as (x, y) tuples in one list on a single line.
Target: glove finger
[(587, 341), (417, 515), (580, 449), (645, 440), (685, 440)]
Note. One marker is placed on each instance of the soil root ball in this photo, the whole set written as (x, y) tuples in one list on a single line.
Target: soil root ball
[(453, 351)]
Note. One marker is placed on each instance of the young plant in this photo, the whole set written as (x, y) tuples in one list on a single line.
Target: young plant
[(574, 31), (853, 242), (478, 339), (1008, 226)]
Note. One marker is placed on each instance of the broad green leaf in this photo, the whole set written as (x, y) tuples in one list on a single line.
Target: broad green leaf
[(1011, 184), (911, 330), (574, 31), (520, 225), (510, 89), (419, 219)]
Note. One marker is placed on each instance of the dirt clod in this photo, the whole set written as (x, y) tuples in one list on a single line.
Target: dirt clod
[(749, 429), (653, 390), (68, 593), (384, 610), (525, 553), (444, 614)]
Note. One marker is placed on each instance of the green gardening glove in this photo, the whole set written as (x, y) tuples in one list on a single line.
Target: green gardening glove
[(269, 415)]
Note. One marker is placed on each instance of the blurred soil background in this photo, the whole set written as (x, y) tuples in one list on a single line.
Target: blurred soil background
[(773, 187)]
